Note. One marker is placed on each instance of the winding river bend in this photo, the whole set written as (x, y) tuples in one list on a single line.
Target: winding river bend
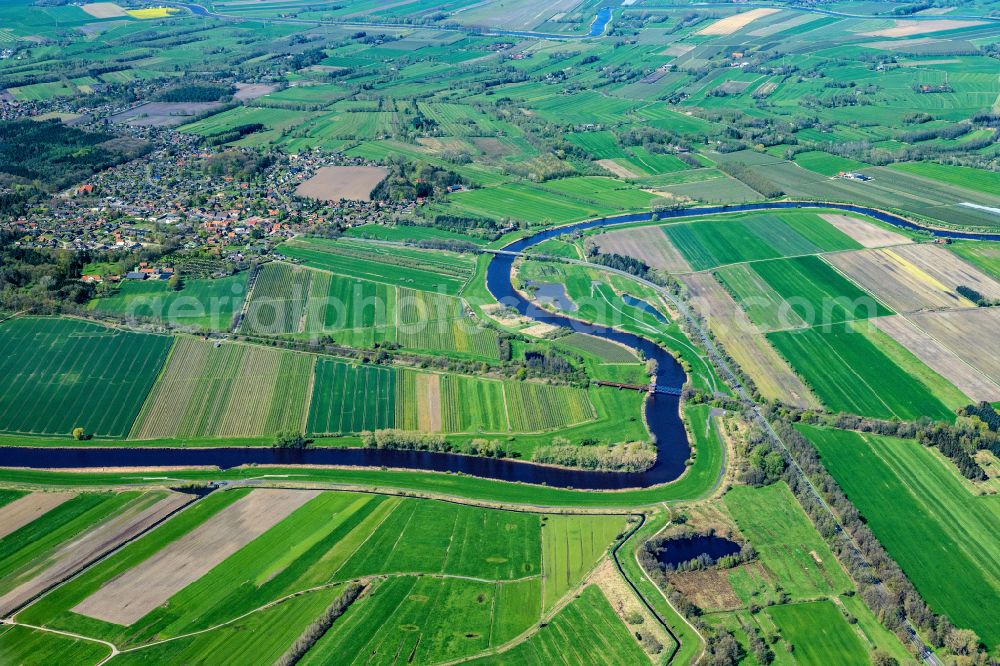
[(662, 411)]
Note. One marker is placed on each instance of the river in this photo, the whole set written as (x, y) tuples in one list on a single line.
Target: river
[(662, 411)]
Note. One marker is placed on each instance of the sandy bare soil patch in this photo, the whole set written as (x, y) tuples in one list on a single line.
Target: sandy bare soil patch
[(539, 330), (908, 28), (970, 334), (710, 589), (80, 552), (131, 596), (23, 510), (649, 244), (334, 183), (941, 360), (731, 24), (913, 278), (615, 168), (865, 232), (103, 10), (949, 268), (774, 378), (429, 395), (245, 91), (677, 50), (163, 114)]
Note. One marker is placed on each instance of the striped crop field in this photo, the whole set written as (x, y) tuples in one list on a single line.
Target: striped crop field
[(609, 352), (277, 303), (532, 407), (428, 270), (349, 398), (60, 374), (352, 398), (849, 373), (232, 390)]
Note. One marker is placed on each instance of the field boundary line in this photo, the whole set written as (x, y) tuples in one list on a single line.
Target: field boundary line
[(114, 648)]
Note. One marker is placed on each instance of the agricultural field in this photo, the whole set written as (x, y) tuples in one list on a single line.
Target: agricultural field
[(916, 277), (426, 270), (585, 632), (212, 389), (851, 374), (819, 633), (66, 373), (715, 242), (923, 513), (790, 549), (442, 580), (355, 398), (63, 540), (202, 304)]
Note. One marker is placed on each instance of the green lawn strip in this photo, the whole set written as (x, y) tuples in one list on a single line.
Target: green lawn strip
[(28, 550), (30, 647), (936, 385), (8, 496), (819, 634), (926, 519), (776, 526), (587, 631), (978, 180), (763, 305), (260, 638)]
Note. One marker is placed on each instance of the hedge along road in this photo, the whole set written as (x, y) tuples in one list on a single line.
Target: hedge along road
[(695, 481)]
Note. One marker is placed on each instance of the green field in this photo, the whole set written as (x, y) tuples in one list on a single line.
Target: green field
[(351, 398), (978, 180), (734, 239), (205, 304), (817, 293), (447, 580), (586, 631), (278, 300), (65, 373), (827, 164), (212, 389), (925, 516), (851, 374), (28, 647), (773, 522), (571, 546), (427, 270), (819, 633)]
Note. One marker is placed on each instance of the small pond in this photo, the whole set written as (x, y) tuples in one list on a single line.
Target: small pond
[(645, 307), (552, 293), (684, 549)]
